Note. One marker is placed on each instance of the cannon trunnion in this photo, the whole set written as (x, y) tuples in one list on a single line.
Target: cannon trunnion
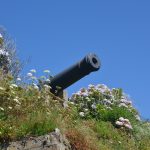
[(61, 81)]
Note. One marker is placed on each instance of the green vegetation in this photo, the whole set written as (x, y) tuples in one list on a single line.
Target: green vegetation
[(26, 111), (9, 61), (96, 118)]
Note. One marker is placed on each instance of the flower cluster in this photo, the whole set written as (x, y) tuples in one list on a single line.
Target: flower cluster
[(101, 94), (5, 60), (13, 86), (36, 82), (17, 101), (98, 100), (1, 108), (3, 52), (15, 94), (124, 102), (121, 122)]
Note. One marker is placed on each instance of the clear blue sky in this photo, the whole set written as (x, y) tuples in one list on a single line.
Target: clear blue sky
[(55, 34)]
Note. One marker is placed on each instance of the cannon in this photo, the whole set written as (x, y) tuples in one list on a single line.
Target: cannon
[(61, 81)]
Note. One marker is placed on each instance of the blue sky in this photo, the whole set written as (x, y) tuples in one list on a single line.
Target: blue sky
[(55, 34)]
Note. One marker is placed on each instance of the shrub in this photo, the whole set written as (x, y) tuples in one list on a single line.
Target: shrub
[(104, 104), (90, 120), (25, 110), (9, 61)]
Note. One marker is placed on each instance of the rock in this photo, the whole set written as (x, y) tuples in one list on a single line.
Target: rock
[(51, 141)]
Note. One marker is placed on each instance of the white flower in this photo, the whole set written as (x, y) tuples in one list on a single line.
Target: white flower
[(72, 103), (1, 36), (48, 80), (93, 106), (34, 84), (88, 99), (12, 91), (29, 74), (3, 52), (81, 114), (84, 94), (17, 106), (98, 86), (109, 108), (10, 107), (102, 90), (1, 88), (17, 101), (18, 79), (103, 86), (46, 71), (78, 93), (91, 86), (10, 128), (85, 109), (6, 54), (121, 119), (9, 60), (123, 105), (106, 102), (130, 102), (1, 108), (36, 87), (33, 70), (126, 121), (13, 85), (47, 86), (128, 126), (127, 102), (138, 117), (119, 123)]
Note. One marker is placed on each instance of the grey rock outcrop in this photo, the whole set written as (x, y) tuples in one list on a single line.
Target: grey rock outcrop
[(52, 141)]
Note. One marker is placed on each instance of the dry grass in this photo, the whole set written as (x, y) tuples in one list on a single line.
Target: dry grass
[(39, 112)]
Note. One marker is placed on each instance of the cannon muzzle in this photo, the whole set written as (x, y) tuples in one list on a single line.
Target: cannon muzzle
[(61, 81)]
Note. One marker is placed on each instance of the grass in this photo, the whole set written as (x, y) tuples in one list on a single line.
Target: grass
[(26, 111)]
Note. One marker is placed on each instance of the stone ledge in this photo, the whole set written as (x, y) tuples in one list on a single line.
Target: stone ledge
[(52, 141)]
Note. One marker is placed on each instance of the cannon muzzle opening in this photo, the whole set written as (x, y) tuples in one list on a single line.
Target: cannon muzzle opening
[(61, 81)]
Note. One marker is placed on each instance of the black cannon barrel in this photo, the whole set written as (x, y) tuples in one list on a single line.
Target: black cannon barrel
[(88, 64)]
